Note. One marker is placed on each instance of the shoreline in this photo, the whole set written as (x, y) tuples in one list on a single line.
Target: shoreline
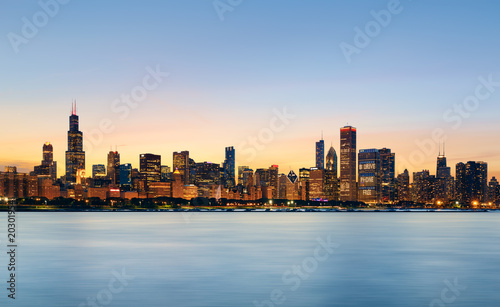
[(259, 210)]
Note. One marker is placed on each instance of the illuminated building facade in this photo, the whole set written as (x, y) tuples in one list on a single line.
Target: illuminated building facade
[(273, 180), (369, 176), (241, 169), (207, 173), (114, 167), (98, 171), (387, 175), (181, 163), (316, 180), (150, 168), (348, 191), (331, 184)]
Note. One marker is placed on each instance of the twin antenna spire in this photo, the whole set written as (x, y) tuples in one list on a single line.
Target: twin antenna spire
[(73, 107), (440, 149)]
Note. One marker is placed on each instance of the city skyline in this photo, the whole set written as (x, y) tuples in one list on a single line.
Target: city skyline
[(73, 141), (376, 181), (218, 83)]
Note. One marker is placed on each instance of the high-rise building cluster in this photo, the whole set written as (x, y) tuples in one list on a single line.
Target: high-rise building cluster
[(365, 175)]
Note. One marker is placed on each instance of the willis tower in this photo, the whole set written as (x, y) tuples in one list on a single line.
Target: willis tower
[(75, 156)]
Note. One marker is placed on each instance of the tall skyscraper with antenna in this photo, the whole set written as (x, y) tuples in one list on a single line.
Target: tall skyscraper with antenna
[(75, 156), (444, 180)]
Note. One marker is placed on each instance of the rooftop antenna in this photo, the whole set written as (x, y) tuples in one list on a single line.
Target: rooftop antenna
[(443, 147), (322, 135), (439, 149)]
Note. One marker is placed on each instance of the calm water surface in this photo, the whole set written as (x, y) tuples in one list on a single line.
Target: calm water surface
[(245, 259)]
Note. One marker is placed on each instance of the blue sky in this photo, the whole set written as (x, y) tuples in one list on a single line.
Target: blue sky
[(227, 76)]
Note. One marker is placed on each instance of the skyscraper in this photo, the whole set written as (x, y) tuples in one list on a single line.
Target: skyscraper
[(48, 154), (320, 154), (150, 168), (331, 185), (316, 180), (165, 173), (273, 180), (181, 163), (207, 173), (403, 183), (348, 191), (493, 191), (114, 167), (48, 166), (75, 156), (229, 168), (98, 170), (423, 187), (472, 182), (444, 180), (125, 173), (241, 169), (460, 185), (387, 173), (369, 175)]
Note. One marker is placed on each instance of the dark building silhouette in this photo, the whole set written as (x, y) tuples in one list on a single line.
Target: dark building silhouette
[(472, 182), (320, 154), (387, 173), (444, 180), (229, 168), (125, 172), (48, 166), (423, 187), (403, 187), (493, 191)]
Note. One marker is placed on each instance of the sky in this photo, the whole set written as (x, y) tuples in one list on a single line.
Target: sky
[(267, 77)]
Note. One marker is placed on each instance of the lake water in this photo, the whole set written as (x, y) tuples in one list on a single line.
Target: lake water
[(254, 259)]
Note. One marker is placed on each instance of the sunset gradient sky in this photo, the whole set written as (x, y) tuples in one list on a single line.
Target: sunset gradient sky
[(228, 78)]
